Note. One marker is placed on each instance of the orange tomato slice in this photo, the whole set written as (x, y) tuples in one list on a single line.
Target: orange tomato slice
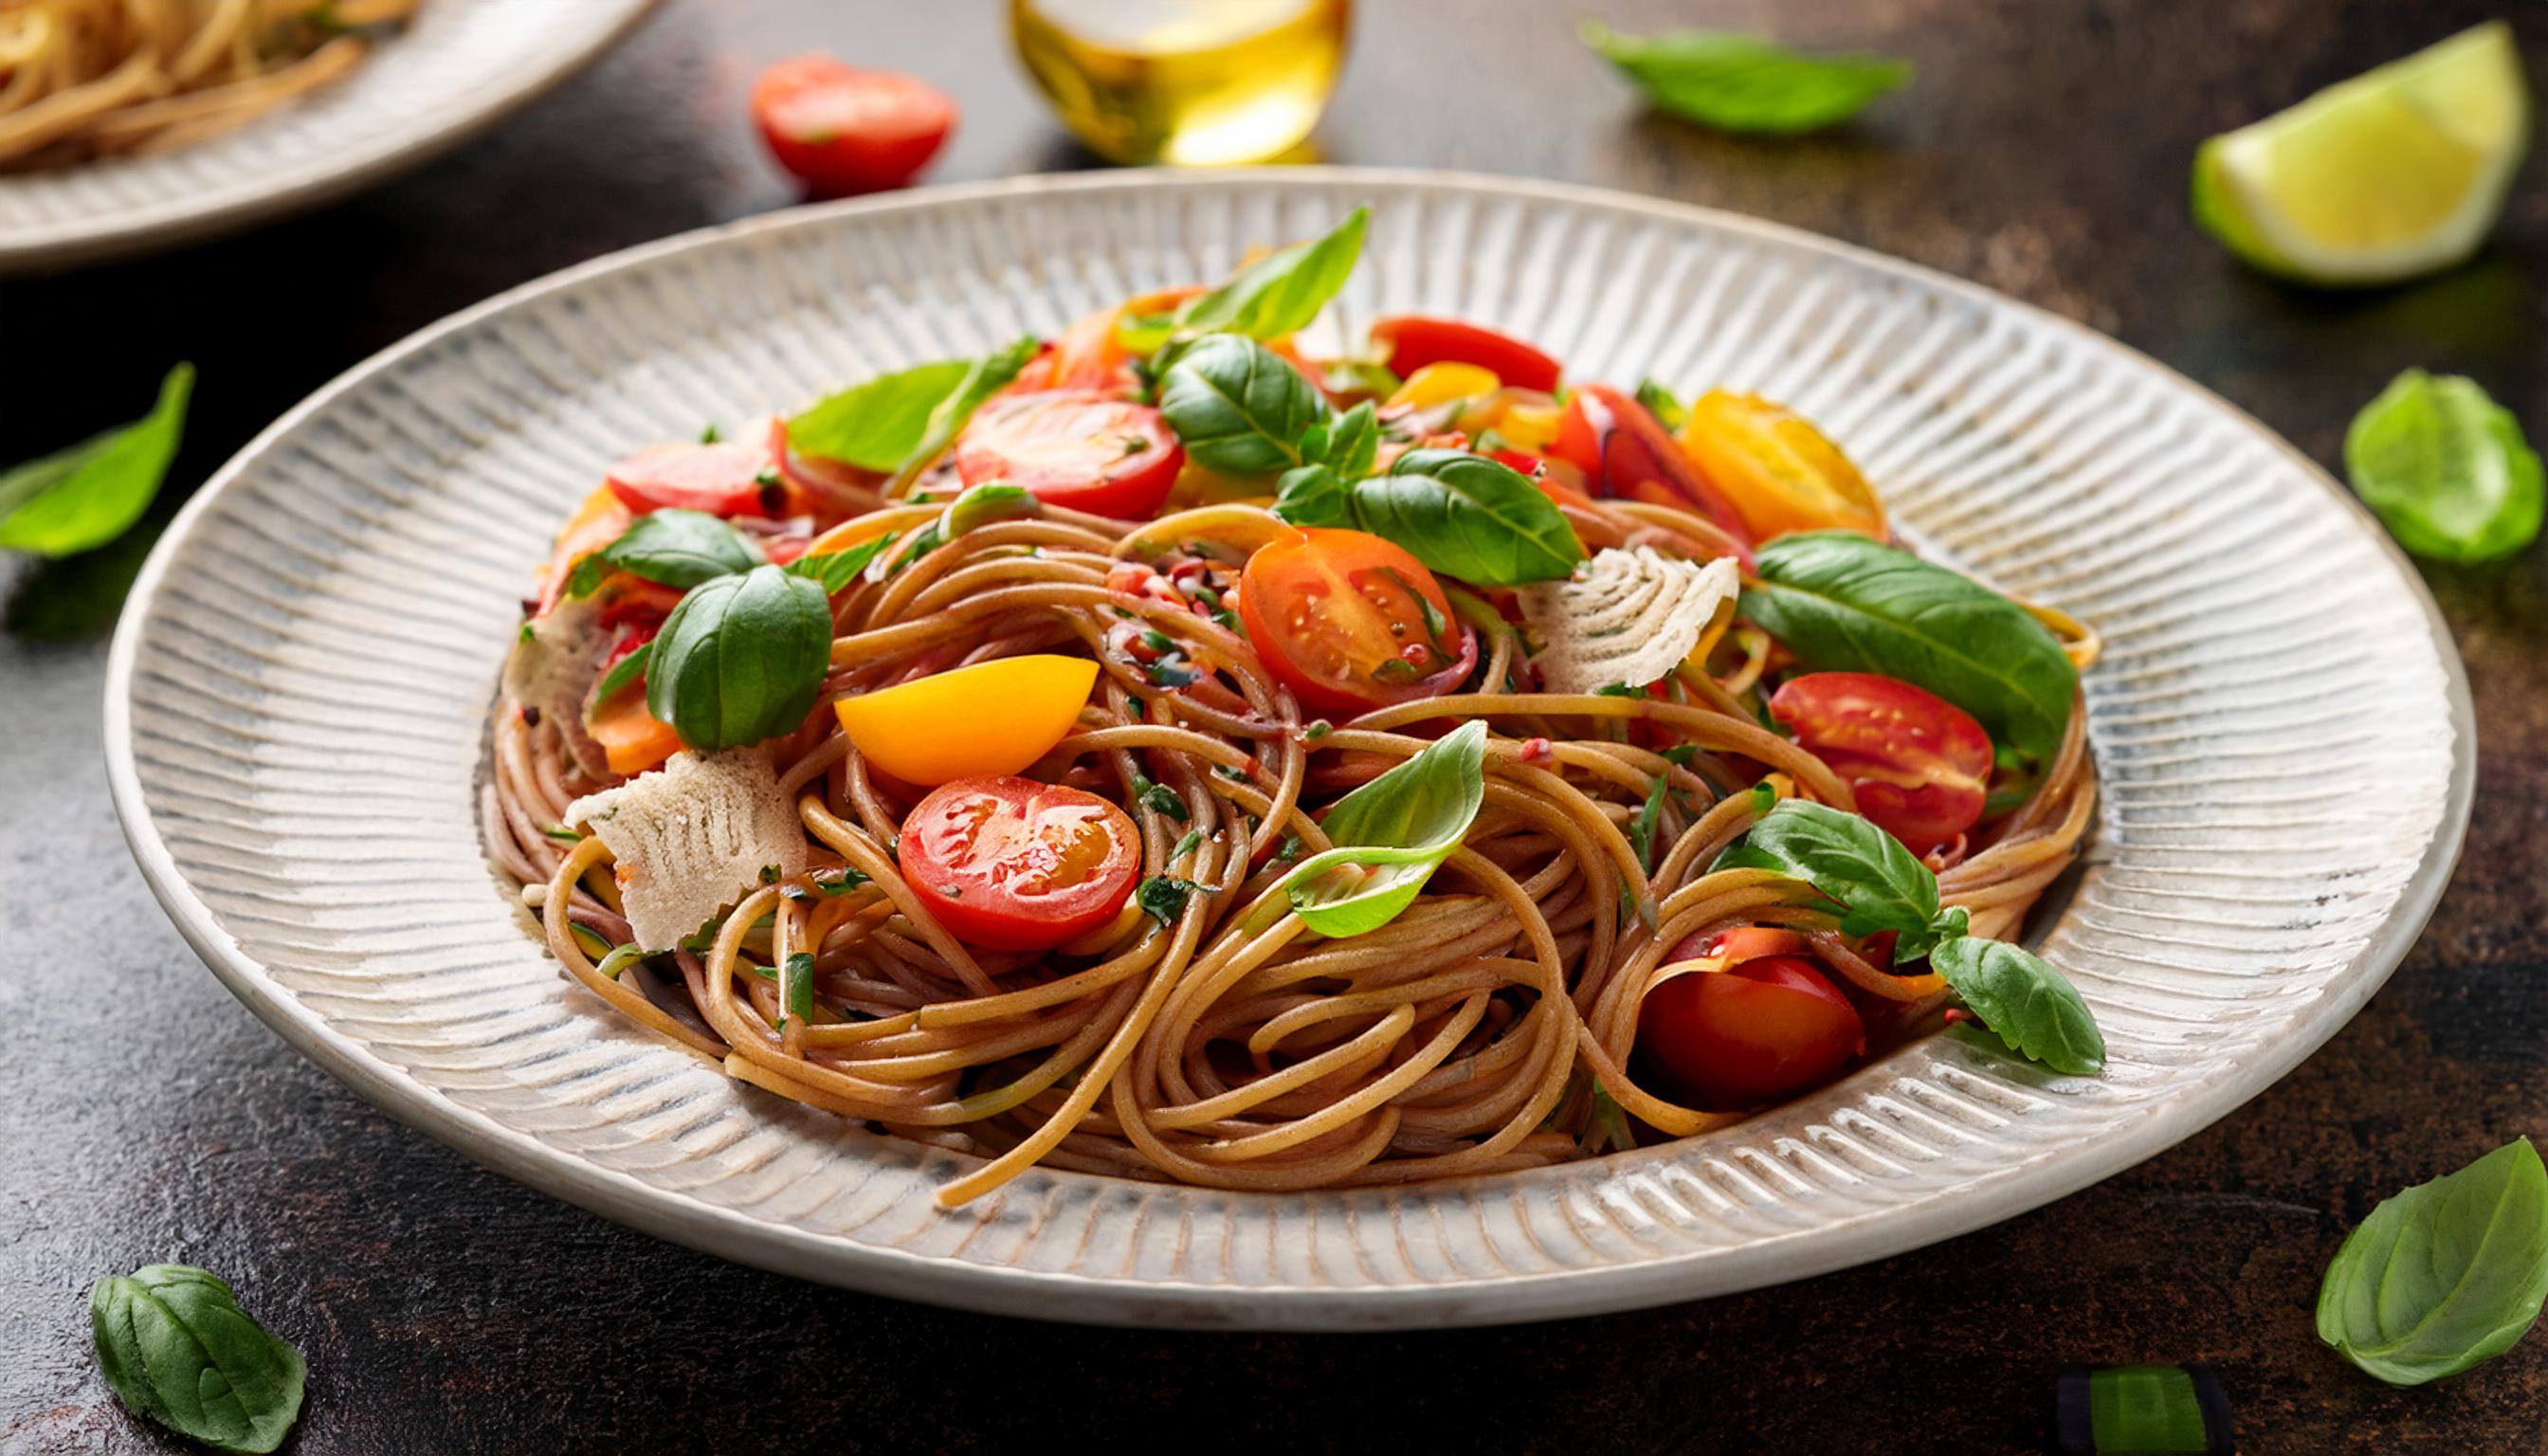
[(1780, 473)]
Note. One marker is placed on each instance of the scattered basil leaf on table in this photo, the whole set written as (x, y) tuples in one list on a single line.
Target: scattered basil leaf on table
[(1879, 885), (82, 498), (2444, 1275), (1390, 835), (982, 379), (876, 424), (1744, 83), (2024, 1001), (741, 659), (1239, 409), (834, 571), (2446, 469), (1276, 295), (674, 547), (177, 1348), (1842, 602)]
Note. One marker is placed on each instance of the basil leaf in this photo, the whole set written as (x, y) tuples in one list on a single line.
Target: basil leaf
[(982, 379), (1669, 411), (676, 547), (622, 673), (2444, 1275), (1879, 885), (875, 425), (1469, 516), (2024, 1001), (834, 571), (1641, 830), (984, 505), (1352, 442), (1164, 898), (1276, 295), (1841, 601), (1742, 83), (177, 1348), (1313, 496), (1390, 835), (1237, 408), (82, 498), (741, 659), (2446, 469)]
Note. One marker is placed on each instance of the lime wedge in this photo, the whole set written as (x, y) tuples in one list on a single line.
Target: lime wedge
[(2396, 174)]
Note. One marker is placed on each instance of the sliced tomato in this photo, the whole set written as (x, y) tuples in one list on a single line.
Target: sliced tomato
[(1624, 451), (1074, 448), (1008, 864), (1521, 461), (841, 130), (1415, 340), (595, 524), (1776, 469), (1738, 943), (1758, 1031), (1350, 622), (727, 478), (1918, 764)]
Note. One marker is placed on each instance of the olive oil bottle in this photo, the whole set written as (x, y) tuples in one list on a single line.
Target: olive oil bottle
[(1195, 83)]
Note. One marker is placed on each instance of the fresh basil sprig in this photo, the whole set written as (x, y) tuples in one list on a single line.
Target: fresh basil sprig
[(741, 659), (82, 498), (1390, 835), (1163, 897), (1239, 409), (2444, 1275), (2024, 1001), (1742, 83), (1347, 444), (1879, 885), (1462, 514), (1842, 602), (676, 547), (1276, 295), (984, 378), (834, 571), (177, 1348), (876, 424), (2446, 469)]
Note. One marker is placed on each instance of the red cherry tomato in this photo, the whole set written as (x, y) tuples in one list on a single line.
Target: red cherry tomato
[(1415, 340), (1074, 448), (1008, 864), (1763, 1031), (721, 480), (1350, 622), (1623, 450), (1739, 944), (1918, 764), (841, 130)]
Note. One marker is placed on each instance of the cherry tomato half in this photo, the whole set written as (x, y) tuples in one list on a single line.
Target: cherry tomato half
[(841, 130), (1624, 451), (1762, 1030), (1350, 622), (1008, 864), (1776, 469), (1415, 340), (1739, 944), (721, 480), (1074, 448), (1918, 764)]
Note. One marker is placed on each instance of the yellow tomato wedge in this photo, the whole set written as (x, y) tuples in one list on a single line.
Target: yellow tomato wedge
[(1777, 469), (1441, 383), (993, 717)]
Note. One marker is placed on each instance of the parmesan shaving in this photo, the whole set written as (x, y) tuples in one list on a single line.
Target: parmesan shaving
[(692, 838), (1627, 617)]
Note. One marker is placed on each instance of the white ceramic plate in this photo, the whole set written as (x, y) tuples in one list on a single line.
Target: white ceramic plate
[(455, 68), (298, 688)]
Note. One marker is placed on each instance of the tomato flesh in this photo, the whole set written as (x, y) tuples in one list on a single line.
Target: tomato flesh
[(726, 478), (1074, 448), (840, 130), (1009, 863), (1415, 340), (1919, 765), (1776, 469), (1756, 1033), (1351, 622), (1624, 451)]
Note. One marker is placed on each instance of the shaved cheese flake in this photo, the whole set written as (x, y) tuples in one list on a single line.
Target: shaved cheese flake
[(1627, 617), (692, 838)]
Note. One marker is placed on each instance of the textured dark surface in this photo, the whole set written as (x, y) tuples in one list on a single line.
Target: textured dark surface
[(146, 1115)]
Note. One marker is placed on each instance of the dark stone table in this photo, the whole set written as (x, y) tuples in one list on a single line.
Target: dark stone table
[(146, 1115)]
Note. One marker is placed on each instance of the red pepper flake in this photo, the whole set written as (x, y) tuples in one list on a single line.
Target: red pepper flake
[(1955, 1014), (1537, 751)]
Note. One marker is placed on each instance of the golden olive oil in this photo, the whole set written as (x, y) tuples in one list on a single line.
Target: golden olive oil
[(1194, 83)]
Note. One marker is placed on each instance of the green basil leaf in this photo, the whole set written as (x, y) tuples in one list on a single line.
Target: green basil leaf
[(986, 503), (79, 498), (1237, 408), (1742, 83), (1276, 295), (1468, 517), (2024, 1001), (1879, 885), (1352, 443), (834, 571), (741, 659), (1313, 496), (1390, 835), (1668, 409), (982, 379), (1164, 898), (622, 673), (1641, 830), (2444, 1275), (676, 547), (1842, 603), (875, 425), (2446, 469), (177, 1348)]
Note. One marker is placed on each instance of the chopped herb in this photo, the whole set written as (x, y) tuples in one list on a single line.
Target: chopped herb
[(769, 875), (1682, 755), (528, 633), (1318, 728), (1290, 851), (1764, 797), (1185, 845), (1227, 619), (710, 435), (838, 881), (1235, 775), (562, 834), (796, 893), (619, 960), (1157, 641), (1642, 832), (797, 986), (1618, 690), (1396, 671), (1164, 898), (1139, 708), (1135, 445), (1159, 799), (1126, 613), (1667, 407), (1169, 675), (766, 972), (1201, 591)]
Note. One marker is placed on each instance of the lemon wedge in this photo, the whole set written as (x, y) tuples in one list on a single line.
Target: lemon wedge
[(2396, 174)]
